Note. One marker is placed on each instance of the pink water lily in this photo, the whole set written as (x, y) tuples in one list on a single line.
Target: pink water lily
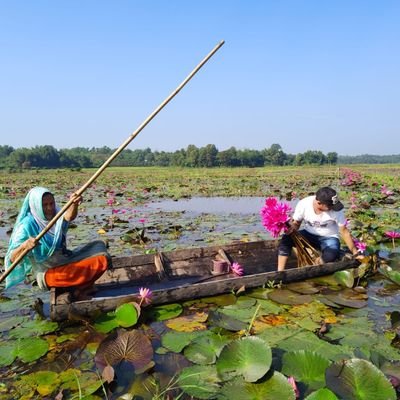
[(237, 269), (385, 191), (361, 246), (292, 382), (145, 295), (275, 215), (393, 235)]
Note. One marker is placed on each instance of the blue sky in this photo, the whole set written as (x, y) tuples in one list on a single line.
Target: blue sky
[(308, 75)]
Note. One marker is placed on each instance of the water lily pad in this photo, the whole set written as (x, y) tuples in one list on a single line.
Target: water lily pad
[(345, 278), (9, 323), (177, 341), (304, 287), (306, 366), (390, 273), (7, 353), (127, 314), (322, 394), (279, 333), (343, 300), (35, 327), (106, 323), (276, 387), (356, 379), (199, 381), (217, 319), (249, 357), (131, 346), (162, 313), (188, 323), (286, 296), (205, 349), (30, 349)]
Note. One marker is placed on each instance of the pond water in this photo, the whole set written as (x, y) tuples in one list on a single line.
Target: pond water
[(214, 205)]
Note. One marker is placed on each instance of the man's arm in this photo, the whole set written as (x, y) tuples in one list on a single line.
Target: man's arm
[(346, 236)]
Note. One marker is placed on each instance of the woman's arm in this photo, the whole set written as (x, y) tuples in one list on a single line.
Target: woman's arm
[(29, 244), (72, 211)]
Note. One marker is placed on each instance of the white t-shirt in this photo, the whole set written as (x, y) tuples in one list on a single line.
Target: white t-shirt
[(325, 224)]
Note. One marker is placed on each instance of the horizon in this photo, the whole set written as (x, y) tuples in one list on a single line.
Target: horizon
[(306, 76)]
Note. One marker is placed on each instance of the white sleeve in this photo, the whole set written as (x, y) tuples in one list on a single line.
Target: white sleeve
[(340, 218), (298, 214)]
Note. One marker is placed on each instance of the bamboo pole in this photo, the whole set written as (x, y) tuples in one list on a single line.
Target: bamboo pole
[(113, 156)]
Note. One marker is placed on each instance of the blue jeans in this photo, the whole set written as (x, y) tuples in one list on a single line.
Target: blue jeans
[(329, 246)]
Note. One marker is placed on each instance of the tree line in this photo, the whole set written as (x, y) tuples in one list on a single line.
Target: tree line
[(207, 156)]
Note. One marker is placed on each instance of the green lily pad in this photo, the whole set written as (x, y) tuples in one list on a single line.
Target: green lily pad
[(345, 278), (304, 287), (357, 379), (205, 349), (7, 353), (286, 296), (390, 273), (35, 327), (306, 366), (249, 357), (106, 323), (217, 319), (199, 381), (127, 314), (30, 349), (322, 394), (7, 324), (177, 341), (162, 313), (276, 387)]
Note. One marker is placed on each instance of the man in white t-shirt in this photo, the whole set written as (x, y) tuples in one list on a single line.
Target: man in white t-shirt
[(323, 222)]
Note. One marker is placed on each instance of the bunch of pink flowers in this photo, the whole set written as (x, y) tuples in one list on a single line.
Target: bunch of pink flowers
[(275, 216)]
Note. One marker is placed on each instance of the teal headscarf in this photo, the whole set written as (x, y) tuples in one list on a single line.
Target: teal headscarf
[(30, 222)]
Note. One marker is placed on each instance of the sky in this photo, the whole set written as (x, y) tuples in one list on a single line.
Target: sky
[(308, 75)]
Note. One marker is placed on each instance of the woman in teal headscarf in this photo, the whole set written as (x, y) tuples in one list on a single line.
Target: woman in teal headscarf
[(49, 261)]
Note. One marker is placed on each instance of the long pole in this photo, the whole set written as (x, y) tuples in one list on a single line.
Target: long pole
[(113, 156)]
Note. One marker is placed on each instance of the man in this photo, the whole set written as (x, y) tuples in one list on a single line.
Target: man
[(324, 222)]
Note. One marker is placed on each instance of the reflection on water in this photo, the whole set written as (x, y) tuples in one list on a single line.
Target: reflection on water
[(214, 205)]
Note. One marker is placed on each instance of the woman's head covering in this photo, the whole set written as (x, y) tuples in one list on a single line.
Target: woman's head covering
[(30, 222)]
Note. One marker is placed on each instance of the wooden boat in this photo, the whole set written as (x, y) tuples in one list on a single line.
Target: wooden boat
[(188, 274)]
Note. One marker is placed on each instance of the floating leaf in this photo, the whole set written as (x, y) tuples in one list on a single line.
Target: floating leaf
[(162, 313), (249, 357), (306, 366), (220, 320), (357, 379), (31, 349), (199, 381), (7, 324), (7, 353), (345, 278), (205, 349), (177, 341), (188, 323), (276, 387), (133, 347), (304, 287), (36, 327), (106, 323), (127, 314), (286, 296), (390, 273), (322, 394)]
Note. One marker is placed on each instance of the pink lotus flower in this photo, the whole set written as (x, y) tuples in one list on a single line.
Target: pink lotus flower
[(145, 295), (393, 235), (275, 216), (385, 191), (110, 201), (292, 382), (142, 220), (361, 246), (237, 269)]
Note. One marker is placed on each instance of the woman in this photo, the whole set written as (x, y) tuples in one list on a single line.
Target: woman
[(49, 261)]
